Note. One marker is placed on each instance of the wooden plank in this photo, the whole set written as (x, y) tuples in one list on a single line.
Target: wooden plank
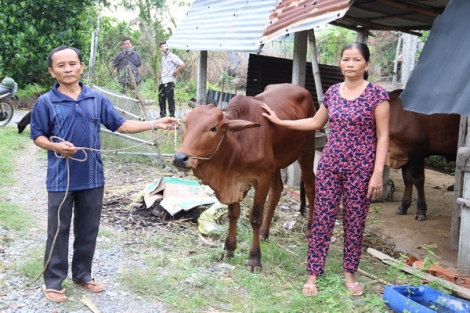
[(463, 202), (463, 259), (458, 290)]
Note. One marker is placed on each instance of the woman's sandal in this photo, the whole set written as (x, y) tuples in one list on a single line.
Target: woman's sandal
[(54, 295), (310, 290), (92, 286), (354, 288)]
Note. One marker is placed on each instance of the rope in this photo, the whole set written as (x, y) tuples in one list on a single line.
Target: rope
[(218, 146)]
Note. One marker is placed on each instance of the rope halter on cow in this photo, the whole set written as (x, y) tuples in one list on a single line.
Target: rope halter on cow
[(218, 146)]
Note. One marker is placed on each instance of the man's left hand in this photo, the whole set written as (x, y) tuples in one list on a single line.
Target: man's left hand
[(167, 123)]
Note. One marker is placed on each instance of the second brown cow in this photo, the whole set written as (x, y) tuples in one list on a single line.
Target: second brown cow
[(413, 137), (241, 149)]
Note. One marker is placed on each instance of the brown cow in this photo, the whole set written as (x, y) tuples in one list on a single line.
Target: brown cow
[(240, 149), (413, 137)]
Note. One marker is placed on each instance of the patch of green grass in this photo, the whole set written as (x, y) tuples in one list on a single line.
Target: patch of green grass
[(32, 265), (186, 275), (13, 217), (11, 144)]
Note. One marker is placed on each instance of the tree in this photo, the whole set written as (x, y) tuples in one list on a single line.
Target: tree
[(30, 29), (330, 42), (383, 46)]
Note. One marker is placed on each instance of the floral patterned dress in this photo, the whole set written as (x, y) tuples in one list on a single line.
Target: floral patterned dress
[(344, 170)]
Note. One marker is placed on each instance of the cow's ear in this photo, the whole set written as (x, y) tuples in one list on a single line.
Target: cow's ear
[(238, 125)]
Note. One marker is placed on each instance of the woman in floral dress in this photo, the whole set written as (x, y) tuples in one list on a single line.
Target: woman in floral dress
[(351, 164)]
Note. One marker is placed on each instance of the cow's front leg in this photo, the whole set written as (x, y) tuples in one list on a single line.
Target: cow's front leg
[(231, 240), (273, 199), (256, 219)]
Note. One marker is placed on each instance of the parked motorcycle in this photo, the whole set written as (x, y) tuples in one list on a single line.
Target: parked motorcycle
[(8, 88)]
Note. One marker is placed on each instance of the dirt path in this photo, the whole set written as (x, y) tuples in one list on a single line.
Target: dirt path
[(406, 233)]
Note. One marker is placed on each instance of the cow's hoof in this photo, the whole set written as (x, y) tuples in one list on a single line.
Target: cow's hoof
[(228, 254), (420, 218), (254, 265), (255, 270), (401, 211), (263, 236)]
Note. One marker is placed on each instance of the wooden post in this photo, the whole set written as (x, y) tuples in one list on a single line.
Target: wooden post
[(458, 187), (298, 77), (316, 72), (202, 78)]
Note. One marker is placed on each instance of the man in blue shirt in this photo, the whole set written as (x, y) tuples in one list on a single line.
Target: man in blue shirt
[(64, 119)]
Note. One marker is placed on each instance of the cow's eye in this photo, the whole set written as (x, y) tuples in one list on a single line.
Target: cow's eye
[(213, 129)]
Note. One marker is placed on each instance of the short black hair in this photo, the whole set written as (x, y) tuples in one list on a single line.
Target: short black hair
[(162, 43), (126, 38), (49, 58)]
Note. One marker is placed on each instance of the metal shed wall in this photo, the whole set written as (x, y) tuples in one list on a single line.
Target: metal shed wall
[(264, 70)]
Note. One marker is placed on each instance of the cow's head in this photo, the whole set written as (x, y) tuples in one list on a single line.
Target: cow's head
[(204, 132)]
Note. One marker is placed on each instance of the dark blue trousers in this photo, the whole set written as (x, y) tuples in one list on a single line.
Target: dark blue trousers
[(85, 206)]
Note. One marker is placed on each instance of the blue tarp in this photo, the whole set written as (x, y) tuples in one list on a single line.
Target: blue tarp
[(440, 81)]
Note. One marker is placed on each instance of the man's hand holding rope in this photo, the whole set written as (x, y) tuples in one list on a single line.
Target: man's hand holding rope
[(167, 123), (64, 148)]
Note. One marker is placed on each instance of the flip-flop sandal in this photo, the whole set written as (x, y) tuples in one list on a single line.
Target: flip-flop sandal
[(92, 286), (355, 288), (49, 292), (310, 290)]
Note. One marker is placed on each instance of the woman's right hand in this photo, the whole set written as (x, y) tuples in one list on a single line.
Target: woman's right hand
[(269, 114)]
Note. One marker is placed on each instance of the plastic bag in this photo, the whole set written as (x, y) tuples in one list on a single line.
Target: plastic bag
[(207, 221)]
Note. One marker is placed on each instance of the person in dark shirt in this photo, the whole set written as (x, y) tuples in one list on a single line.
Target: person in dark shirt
[(64, 121), (126, 63)]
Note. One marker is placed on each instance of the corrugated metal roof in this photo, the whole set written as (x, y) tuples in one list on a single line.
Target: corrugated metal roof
[(405, 16), (246, 25), (292, 16), (439, 82)]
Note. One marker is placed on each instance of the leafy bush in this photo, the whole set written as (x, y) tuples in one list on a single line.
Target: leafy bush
[(32, 90), (440, 163), (29, 30)]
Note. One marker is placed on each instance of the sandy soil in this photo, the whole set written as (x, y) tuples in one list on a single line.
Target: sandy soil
[(408, 234)]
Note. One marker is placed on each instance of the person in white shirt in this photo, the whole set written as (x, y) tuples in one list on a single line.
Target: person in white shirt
[(171, 66)]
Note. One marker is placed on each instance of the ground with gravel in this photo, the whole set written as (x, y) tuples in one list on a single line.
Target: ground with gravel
[(20, 293)]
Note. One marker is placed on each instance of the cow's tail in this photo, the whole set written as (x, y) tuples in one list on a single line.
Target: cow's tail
[(303, 201)]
